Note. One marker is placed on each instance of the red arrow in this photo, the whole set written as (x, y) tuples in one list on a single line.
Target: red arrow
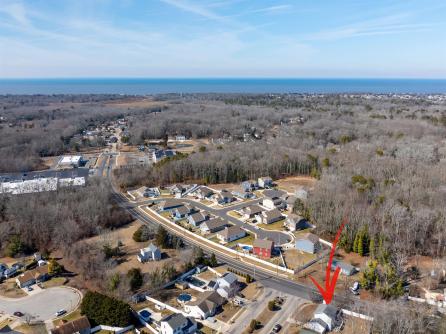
[(327, 294)]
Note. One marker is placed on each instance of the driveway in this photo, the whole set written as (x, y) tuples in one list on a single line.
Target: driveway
[(43, 305)]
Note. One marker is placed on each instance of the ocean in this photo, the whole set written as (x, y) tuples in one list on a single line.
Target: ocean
[(158, 86)]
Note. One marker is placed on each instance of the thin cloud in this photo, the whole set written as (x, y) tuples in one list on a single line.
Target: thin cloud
[(388, 25), (272, 9), (16, 11)]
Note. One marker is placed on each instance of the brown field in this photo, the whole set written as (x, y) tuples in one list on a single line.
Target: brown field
[(131, 248), (9, 289), (295, 258), (136, 103), (291, 184)]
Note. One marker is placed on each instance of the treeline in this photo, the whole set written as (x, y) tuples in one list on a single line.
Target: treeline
[(231, 163), (47, 220)]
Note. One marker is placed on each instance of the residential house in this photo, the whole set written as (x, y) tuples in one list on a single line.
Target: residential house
[(213, 225), (230, 234), (227, 285), (150, 253), (249, 186), (158, 155), (177, 324), (225, 197), (274, 199), (240, 193), (328, 315), (169, 204), (263, 248), (207, 305), (178, 190), (10, 272), (265, 182), (269, 217), (3, 268), (252, 211), (308, 243), (197, 218), (30, 277), (346, 269), (151, 192), (78, 326), (204, 193), (70, 161), (183, 211), (295, 222), (180, 138)]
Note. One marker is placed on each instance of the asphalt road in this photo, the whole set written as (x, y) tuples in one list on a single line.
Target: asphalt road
[(43, 305)]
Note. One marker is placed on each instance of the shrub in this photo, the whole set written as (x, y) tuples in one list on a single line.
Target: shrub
[(103, 310), (135, 278)]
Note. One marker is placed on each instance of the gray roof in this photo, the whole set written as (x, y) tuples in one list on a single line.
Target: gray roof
[(253, 209), (231, 231), (174, 320), (215, 223), (273, 193), (205, 191), (273, 214), (328, 310), (309, 236), (229, 277), (151, 248), (199, 216), (184, 209), (263, 243)]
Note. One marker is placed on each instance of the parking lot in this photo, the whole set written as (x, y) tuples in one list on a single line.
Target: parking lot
[(44, 304)]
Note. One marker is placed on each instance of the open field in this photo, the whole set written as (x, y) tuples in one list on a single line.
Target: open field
[(295, 258), (10, 289), (291, 184)]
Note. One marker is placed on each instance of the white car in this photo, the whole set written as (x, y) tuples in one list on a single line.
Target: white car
[(60, 312)]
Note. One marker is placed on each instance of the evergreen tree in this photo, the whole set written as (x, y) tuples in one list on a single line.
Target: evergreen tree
[(372, 248), (355, 243), (360, 244)]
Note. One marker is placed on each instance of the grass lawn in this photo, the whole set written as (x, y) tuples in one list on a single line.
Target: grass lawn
[(10, 289), (248, 240), (205, 330), (56, 281), (235, 214), (277, 226), (206, 202), (214, 239), (229, 310), (165, 214), (69, 317), (32, 329)]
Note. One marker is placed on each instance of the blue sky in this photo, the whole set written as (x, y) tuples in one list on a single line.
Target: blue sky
[(223, 38)]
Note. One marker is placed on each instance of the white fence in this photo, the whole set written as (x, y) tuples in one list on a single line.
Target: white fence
[(116, 330), (357, 315)]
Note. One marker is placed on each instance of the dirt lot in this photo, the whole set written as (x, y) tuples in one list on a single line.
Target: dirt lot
[(251, 291), (131, 248), (295, 258), (9, 289), (355, 326), (291, 184)]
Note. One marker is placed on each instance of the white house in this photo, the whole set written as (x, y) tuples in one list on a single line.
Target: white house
[(269, 217), (205, 306), (177, 324), (265, 182), (150, 253), (328, 314), (230, 234), (227, 285)]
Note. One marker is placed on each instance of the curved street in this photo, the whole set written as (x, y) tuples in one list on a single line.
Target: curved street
[(44, 304)]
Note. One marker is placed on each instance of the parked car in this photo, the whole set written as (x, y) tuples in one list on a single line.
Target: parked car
[(18, 314), (277, 328), (60, 312), (30, 289)]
